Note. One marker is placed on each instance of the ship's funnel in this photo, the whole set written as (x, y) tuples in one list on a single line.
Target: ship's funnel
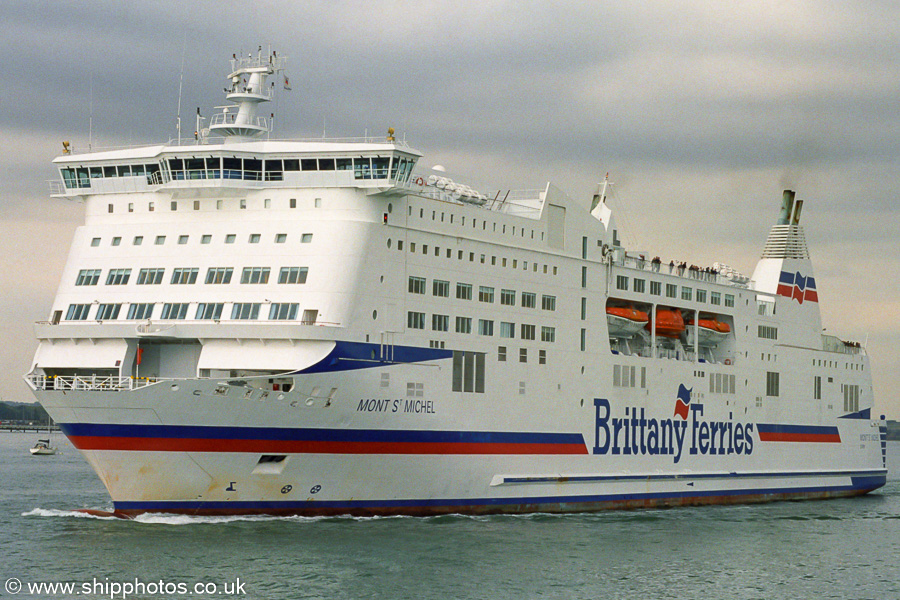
[(798, 206), (787, 202)]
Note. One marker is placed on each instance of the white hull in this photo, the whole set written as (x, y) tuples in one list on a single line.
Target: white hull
[(191, 453)]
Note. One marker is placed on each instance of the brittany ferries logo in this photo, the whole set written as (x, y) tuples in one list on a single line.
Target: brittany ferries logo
[(633, 433), (798, 287)]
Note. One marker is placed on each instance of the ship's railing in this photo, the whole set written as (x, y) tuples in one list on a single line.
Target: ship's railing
[(109, 383), (831, 343), (710, 275), (56, 187), (230, 118)]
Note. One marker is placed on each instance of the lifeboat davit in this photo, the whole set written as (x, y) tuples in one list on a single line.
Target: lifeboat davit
[(624, 321), (669, 323), (710, 331)]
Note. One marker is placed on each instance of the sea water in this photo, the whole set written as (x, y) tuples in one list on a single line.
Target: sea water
[(847, 548)]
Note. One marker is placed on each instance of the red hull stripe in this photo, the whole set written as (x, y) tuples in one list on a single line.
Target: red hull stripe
[(798, 433), (316, 446)]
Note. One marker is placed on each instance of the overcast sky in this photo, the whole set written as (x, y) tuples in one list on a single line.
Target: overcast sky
[(702, 112)]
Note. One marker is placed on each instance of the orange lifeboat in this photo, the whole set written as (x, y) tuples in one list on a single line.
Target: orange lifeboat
[(669, 323), (710, 331), (624, 321)]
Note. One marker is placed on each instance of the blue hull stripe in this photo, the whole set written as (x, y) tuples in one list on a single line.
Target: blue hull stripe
[(314, 434), (350, 356)]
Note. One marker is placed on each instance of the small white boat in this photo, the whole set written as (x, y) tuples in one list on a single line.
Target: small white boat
[(43, 447)]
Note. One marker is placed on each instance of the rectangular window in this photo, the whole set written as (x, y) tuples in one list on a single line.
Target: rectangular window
[(280, 238), (174, 311), (529, 300), (181, 276), (729, 300), (639, 285), (207, 238), (583, 277), (715, 298), (548, 334), (468, 372), (583, 339), (548, 302), (182, 240), (523, 355), (229, 238), (219, 275), (254, 238), (817, 387), (116, 240), (88, 277), (507, 330), (108, 312), (485, 294), (309, 316), (501, 353), (118, 276), (245, 311), (621, 282), (464, 291), (417, 285), (440, 288), (463, 325), (440, 322), (508, 297), (141, 311), (527, 331), (255, 275), (78, 312), (306, 238), (95, 242), (686, 293), (415, 320), (485, 327), (542, 357), (293, 274), (655, 288), (701, 295), (150, 276), (583, 309), (283, 311), (671, 290), (851, 397), (209, 310), (771, 384), (138, 240)]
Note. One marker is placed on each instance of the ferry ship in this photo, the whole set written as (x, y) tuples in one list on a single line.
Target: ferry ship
[(247, 325)]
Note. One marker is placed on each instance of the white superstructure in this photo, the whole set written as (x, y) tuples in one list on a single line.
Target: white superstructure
[(316, 327)]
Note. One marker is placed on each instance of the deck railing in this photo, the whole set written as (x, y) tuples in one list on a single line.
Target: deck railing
[(109, 383)]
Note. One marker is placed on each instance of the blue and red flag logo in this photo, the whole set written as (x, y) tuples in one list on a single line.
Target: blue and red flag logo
[(683, 401), (798, 287)]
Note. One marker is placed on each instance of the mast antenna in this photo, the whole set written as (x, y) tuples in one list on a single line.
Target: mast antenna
[(180, 83)]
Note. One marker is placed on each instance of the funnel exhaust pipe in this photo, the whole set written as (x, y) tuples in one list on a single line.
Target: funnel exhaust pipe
[(787, 203), (798, 206)]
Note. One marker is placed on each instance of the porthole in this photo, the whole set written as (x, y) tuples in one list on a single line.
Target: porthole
[(374, 314), (390, 207), (389, 242)]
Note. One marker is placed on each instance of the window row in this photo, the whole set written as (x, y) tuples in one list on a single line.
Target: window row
[(417, 320), (188, 275), (206, 238), (523, 355), (687, 293), (242, 311), (482, 258), (515, 230), (464, 291)]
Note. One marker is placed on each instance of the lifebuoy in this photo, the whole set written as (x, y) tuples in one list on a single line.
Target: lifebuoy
[(420, 181), (727, 361)]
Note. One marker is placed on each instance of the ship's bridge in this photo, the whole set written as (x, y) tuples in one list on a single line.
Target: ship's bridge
[(321, 163)]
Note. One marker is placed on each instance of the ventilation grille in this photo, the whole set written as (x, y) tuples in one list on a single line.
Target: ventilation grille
[(786, 241)]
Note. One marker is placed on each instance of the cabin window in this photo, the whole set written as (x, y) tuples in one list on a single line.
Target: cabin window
[(415, 320), (140, 311), (88, 277), (219, 275), (464, 291), (529, 299), (485, 294), (293, 274), (245, 311), (621, 282), (150, 276), (508, 297), (209, 310), (78, 312), (701, 295), (463, 325), (440, 322), (485, 327), (118, 276), (254, 275), (440, 288), (176, 311), (527, 331), (138, 240), (507, 330), (772, 383), (283, 311), (686, 293), (417, 285), (671, 290), (184, 276), (468, 372), (548, 334)]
